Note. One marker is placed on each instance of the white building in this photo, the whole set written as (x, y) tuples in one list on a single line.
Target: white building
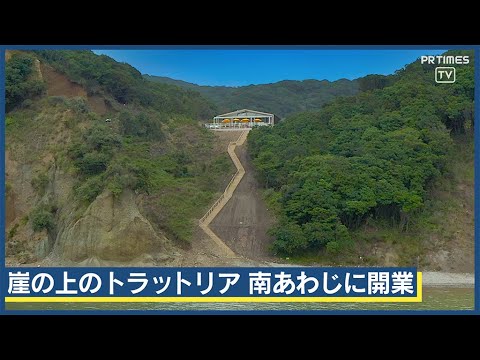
[(241, 119)]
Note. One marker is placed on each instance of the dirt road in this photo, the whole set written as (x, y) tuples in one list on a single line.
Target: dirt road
[(245, 219)]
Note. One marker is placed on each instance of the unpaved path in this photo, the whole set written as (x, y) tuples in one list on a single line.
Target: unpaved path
[(244, 221)]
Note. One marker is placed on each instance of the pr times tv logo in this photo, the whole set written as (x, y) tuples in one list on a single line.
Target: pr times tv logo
[(445, 74)]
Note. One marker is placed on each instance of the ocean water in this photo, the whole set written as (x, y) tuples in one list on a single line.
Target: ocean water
[(433, 299)]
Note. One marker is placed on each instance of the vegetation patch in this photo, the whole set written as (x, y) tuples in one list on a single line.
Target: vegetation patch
[(42, 219), (371, 158), (20, 84)]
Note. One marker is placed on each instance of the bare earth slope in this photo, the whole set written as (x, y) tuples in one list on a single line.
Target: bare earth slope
[(59, 85), (204, 251), (243, 223)]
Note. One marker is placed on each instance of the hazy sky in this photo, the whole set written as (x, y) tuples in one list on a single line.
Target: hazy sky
[(243, 67)]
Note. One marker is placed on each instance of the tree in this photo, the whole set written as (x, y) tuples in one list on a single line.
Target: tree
[(19, 84)]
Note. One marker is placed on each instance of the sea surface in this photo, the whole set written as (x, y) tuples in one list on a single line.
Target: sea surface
[(434, 298)]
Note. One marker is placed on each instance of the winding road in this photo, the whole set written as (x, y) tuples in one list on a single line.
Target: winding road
[(239, 220), (227, 194)]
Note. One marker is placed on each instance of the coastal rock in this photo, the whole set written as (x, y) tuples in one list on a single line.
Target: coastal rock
[(110, 229)]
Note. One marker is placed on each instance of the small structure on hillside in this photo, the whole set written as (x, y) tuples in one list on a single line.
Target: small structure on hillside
[(241, 119)]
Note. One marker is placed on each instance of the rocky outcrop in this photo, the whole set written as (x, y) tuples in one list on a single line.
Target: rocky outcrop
[(38, 178), (10, 213), (110, 229)]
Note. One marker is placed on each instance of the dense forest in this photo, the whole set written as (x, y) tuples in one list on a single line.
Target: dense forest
[(371, 156), (281, 98)]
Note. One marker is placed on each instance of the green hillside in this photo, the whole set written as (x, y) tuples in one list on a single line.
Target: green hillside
[(62, 155), (281, 98), (366, 168), (102, 74)]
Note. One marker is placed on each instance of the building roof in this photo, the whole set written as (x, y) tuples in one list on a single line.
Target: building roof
[(244, 113)]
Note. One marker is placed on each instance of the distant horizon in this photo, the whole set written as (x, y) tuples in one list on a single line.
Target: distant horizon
[(236, 68), (269, 83)]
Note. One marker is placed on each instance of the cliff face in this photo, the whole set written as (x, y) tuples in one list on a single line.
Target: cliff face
[(109, 229)]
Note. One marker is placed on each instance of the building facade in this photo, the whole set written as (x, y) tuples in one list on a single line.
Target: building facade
[(241, 119)]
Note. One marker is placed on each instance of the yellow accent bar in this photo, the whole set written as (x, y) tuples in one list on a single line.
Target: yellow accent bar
[(213, 299)]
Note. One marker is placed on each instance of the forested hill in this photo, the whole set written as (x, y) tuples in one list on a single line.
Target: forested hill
[(281, 98), (94, 151), (367, 159)]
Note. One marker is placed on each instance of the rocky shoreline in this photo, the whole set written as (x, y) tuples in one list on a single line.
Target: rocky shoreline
[(442, 279)]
